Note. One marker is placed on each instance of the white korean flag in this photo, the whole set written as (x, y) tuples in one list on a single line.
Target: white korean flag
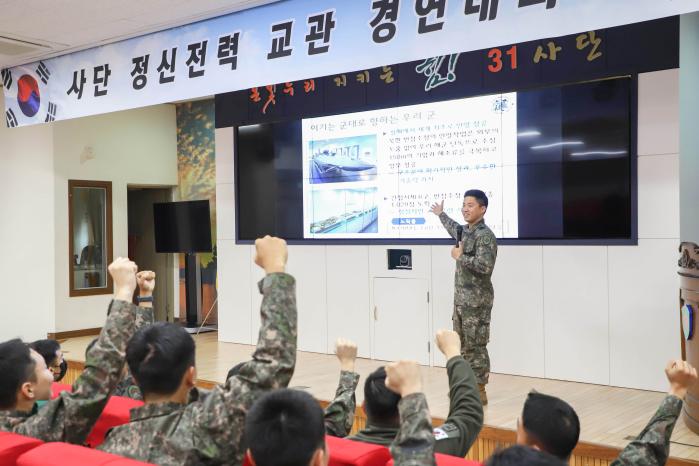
[(27, 97)]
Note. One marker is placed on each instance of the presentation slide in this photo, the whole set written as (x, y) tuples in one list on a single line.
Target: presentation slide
[(375, 174)]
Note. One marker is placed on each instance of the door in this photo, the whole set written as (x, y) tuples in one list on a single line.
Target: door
[(142, 247), (401, 320)]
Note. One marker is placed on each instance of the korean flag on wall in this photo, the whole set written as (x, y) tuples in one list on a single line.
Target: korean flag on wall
[(27, 97)]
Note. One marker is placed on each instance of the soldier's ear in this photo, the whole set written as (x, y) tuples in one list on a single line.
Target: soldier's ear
[(191, 376), (26, 391)]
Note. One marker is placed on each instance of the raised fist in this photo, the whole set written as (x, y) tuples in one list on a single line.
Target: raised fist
[(146, 282), (271, 254), (346, 352), (403, 378), (123, 272), (448, 343), (681, 376)]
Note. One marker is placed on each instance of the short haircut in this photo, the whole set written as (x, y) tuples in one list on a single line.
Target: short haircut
[(158, 356), (552, 423), (380, 403), (284, 428), (47, 349), (235, 370), (16, 368), (480, 196), (519, 455)]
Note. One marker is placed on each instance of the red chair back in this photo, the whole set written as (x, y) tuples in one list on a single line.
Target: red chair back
[(60, 454), (345, 452), (57, 388), (115, 413), (12, 446)]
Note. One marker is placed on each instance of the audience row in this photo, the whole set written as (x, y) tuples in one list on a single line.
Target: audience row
[(253, 417)]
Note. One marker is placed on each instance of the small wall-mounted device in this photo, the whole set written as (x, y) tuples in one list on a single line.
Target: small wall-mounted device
[(401, 259)]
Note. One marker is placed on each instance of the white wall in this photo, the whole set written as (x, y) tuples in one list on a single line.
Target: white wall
[(26, 202), (598, 314), (134, 147)]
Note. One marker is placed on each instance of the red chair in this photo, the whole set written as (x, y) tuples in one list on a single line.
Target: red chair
[(448, 460), (60, 454), (12, 446), (115, 413), (345, 452), (57, 388)]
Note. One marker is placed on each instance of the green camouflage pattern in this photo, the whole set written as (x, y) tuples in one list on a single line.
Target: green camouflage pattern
[(473, 327), (128, 388), (414, 444), (70, 417), (472, 284), (473, 293), (209, 428), (339, 414), (652, 446)]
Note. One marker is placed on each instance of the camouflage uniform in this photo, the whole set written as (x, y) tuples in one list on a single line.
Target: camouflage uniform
[(473, 293), (339, 414), (209, 428), (652, 446), (70, 417), (127, 387), (414, 444)]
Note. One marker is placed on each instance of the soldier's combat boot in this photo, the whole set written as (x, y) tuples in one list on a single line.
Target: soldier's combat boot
[(484, 396)]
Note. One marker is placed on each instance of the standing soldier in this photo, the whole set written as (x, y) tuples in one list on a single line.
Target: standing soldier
[(473, 291)]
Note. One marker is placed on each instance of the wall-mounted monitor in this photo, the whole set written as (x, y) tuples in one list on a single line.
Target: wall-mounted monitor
[(556, 164)]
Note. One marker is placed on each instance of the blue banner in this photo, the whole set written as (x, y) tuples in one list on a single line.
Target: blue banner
[(294, 40)]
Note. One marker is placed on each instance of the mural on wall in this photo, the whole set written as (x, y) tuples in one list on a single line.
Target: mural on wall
[(196, 167)]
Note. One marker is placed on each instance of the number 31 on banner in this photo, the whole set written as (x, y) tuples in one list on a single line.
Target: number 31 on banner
[(496, 58)]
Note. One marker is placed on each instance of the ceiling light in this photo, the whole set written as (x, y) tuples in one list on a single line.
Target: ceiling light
[(558, 144)]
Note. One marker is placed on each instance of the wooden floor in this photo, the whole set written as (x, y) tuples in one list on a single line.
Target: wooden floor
[(609, 416)]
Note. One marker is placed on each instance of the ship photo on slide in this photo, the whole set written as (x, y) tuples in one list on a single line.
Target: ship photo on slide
[(344, 211), (343, 159)]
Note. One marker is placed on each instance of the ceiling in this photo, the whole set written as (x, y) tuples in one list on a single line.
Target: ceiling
[(37, 29)]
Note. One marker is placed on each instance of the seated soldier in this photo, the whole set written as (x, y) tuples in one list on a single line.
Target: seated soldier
[(50, 350), (286, 427), (550, 424), (465, 418), (180, 424), (70, 417), (339, 414)]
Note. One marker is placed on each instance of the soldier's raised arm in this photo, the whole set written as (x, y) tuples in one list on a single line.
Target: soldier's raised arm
[(414, 444), (652, 446), (465, 418), (339, 414), (220, 419), (70, 417)]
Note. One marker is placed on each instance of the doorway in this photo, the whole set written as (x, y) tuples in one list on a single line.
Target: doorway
[(142, 246)]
